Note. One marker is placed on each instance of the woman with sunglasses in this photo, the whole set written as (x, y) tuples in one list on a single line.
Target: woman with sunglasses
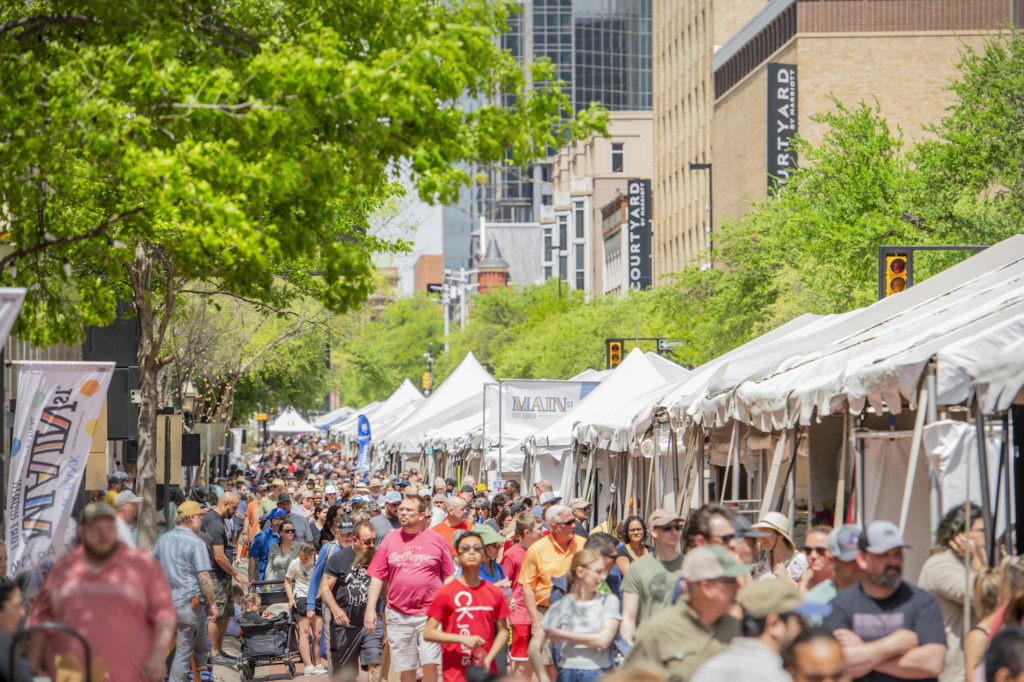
[(582, 624), (282, 553), (469, 616), (633, 535), (329, 533)]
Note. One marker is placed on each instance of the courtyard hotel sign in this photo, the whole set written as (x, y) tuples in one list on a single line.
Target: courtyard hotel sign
[(782, 120)]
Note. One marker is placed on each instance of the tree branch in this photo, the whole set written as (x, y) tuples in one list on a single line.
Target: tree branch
[(46, 20), (71, 239)]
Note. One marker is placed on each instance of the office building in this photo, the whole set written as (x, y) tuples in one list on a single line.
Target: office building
[(601, 49), (428, 269)]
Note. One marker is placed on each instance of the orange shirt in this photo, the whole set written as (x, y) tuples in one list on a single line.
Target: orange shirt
[(449, 531), (252, 512), (545, 560)]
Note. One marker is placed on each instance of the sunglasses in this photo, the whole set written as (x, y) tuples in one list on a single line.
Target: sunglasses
[(811, 550), (369, 541), (288, 530), (726, 539), (667, 528), (465, 549), (566, 524)]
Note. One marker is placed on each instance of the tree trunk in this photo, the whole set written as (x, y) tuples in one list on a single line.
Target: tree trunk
[(141, 274), (151, 338)]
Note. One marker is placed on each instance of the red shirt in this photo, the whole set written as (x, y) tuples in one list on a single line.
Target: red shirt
[(467, 611), (116, 609), (512, 561), (449, 531)]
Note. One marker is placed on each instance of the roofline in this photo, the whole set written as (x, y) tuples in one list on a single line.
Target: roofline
[(749, 31)]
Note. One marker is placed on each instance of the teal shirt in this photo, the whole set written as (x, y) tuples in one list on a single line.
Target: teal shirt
[(822, 593)]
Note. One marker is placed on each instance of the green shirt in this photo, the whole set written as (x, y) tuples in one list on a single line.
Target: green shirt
[(654, 581), (675, 641)]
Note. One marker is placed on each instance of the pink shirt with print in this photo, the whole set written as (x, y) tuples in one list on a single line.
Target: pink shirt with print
[(116, 609), (414, 566)]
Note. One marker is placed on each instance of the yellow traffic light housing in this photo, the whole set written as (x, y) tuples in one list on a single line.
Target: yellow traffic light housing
[(614, 354), (896, 273), (427, 379)]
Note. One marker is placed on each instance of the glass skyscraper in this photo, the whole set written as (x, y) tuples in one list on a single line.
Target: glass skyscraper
[(601, 50)]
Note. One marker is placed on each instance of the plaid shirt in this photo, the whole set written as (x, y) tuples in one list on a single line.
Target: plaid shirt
[(182, 555)]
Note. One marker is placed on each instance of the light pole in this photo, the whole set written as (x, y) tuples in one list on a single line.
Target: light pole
[(711, 215)]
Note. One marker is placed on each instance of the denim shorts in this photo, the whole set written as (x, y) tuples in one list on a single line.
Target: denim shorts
[(571, 675)]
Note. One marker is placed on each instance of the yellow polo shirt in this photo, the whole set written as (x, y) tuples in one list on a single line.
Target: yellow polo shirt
[(545, 560)]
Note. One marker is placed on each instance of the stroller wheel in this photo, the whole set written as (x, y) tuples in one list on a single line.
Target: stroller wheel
[(291, 668)]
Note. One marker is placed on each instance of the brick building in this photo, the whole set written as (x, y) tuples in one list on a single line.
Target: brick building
[(428, 269)]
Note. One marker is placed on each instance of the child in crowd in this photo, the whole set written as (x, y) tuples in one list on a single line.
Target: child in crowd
[(296, 586), (464, 615)]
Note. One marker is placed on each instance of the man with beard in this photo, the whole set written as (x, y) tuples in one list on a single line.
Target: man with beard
[(771, 621), (224, 571), (648, 585), (388, 521), (186, 562), (889, 629), (117, 597), (412, 563), (344, 591)]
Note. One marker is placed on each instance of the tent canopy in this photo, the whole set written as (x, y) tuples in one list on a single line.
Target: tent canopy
[(459, 397), (969, 317), (332, 417), (291, 421)]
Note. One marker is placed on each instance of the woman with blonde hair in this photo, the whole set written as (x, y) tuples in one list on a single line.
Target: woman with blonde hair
[(583, 622), (987, 587)]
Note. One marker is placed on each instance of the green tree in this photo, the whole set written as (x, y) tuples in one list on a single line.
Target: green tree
[(152, 148)]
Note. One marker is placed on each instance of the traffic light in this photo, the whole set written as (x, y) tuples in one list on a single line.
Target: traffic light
[(614, 354), (897, 273), (427, 379)]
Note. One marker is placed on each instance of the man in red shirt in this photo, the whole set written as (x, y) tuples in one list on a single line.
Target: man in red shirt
[(116, 596), (464, 613), (456, 520), (529, 529), (414, 562)]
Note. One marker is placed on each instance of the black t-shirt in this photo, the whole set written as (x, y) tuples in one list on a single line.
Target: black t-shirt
[(909, 608), (352, 588), (214, 526)]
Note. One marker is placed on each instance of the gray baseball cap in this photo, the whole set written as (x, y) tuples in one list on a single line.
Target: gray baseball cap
[(844, 541), (880, 537)]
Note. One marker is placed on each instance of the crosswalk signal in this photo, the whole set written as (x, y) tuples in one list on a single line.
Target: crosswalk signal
[(614, 354), (897, 273), (427, 380)]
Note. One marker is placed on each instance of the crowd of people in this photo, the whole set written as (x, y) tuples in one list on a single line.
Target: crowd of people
[(413, 579)]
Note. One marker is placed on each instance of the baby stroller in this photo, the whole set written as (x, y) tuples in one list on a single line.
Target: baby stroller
[(266, 641)]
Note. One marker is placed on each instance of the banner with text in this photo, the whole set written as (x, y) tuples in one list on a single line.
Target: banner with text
[(639, 233), (536, 403), (781, 124), (363, 460), (59, 405)]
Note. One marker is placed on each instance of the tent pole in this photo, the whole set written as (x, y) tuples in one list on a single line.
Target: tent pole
[(837, 514), (1008, 490), (773, 474), (674, 449), (701, 458), (934, 505), (736, 465), (860, 484), (789, 470), (500, 410), (983, 473), (656, 466), (915, 452), (728, 462)]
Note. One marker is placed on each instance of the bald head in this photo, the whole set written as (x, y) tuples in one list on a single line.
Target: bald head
[(227, 504)]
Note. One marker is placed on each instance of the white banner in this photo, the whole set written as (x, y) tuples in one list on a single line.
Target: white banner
[(536, 403), (59, 404)]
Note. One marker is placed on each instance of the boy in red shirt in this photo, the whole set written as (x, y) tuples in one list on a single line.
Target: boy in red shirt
[(463, 615)]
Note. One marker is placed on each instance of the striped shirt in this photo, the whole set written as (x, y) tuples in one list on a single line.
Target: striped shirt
[(182, 555)]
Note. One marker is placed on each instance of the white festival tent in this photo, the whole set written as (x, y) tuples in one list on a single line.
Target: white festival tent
[(458, 398), (348, 428), (956, 336), (398, 405), (638, 374), (291, 421), (332, 417)]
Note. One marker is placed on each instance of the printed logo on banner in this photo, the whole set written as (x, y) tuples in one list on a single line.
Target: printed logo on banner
[(782, 120), (363, 460), (639, 198), (58, 408), (541, 402)]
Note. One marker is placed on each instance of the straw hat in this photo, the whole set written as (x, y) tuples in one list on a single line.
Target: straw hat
[(777, 522)]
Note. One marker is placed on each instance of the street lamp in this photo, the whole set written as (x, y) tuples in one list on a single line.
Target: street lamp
[(188, 398), (711, 215)]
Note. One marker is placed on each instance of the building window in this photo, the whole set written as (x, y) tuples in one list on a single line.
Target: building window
[(618, 157), (563, 231), (578, 257), (577, 212)]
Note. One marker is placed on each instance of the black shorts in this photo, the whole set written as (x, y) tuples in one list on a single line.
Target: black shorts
[(300, 609), (349, 641)]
